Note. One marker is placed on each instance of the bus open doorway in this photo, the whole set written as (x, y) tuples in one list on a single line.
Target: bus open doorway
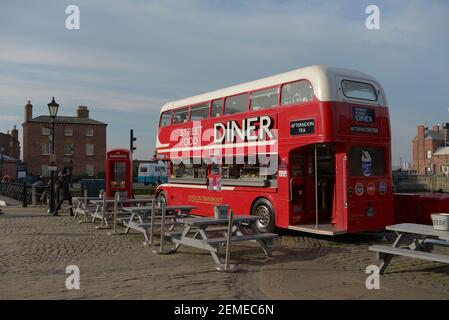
[(312, 189)]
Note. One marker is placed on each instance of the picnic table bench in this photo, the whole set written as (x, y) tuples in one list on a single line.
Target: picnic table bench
[(414, 241), (197, 234)]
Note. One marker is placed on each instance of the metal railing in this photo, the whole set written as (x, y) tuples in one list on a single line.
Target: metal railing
[(15, 190)]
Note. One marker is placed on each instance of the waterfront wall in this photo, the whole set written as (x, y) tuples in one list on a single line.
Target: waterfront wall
[(420, 183)]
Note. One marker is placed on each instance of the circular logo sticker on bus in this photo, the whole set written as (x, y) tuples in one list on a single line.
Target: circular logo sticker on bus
[(359, 189), (383, 187), (371, 188)]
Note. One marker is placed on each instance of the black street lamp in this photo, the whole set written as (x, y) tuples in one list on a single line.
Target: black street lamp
[(53, 110), (1, 162)]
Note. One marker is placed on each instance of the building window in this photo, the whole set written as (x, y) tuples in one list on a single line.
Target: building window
[(45, 172), (68, 149), (89, 149), (236, 104), (68, 131), (429, 154), (46, 131), (89, 132), (90, 170), (46, 148)]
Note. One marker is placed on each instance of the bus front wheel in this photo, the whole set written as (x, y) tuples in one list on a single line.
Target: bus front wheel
[(264, 209)]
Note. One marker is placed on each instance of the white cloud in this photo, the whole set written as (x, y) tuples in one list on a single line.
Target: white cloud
[(9, 118)]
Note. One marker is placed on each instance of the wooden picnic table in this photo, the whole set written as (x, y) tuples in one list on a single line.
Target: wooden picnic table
[(197, 234), (414, 241), (140, 218)]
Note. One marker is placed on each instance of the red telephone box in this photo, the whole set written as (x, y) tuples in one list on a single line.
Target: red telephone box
[(118, 172)]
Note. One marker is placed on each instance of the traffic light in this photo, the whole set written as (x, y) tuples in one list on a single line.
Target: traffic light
[(131, 141)]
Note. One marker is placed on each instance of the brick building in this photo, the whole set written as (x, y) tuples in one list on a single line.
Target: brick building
[(9, 143), (8, 167), (80, 143), (9, 153), (430, 154)]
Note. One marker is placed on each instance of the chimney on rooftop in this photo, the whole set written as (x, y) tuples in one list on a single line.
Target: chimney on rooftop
[(436, 128), (421, 131), (83, 112), (28, 111), (15, 133)]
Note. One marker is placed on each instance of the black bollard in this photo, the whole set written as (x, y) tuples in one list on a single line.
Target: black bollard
[(24, 195)]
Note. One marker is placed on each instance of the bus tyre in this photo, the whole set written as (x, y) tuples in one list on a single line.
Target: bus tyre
[(161, 197), (264, 209)]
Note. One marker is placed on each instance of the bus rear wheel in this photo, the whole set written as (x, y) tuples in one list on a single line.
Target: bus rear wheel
[(264, 209)]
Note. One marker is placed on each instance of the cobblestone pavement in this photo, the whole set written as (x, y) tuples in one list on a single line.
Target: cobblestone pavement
[(36, 248)]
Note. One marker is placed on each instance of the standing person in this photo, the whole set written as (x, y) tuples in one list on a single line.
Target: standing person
[(65, 186), (58, 187)]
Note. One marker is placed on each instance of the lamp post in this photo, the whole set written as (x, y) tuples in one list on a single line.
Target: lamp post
[(53, 110), (1, 162)]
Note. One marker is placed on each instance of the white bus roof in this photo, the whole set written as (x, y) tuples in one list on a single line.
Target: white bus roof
[(322, 78)]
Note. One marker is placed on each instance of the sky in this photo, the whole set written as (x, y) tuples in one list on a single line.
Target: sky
[(130, 57)]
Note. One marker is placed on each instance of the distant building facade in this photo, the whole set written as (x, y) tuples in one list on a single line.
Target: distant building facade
[(80, 143), (9, 143), (430, 150), (9, 153)]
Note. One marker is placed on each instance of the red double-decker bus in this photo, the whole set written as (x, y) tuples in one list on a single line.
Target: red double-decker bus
[(307, 150)]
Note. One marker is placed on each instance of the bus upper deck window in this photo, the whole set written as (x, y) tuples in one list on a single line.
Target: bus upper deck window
[(236, 104), (264, 99), (297, 92), (358, 90), (181, 115), (165, 119), (217, 108), (199, 112)]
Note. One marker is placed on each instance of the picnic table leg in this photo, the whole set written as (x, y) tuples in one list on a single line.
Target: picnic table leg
[(153, 208), (263, 243), (94, 217), (385, 258), (203, 236), (161, 244), (421, 244), (184, 233), (114, 217), (227, 267), (131, 219)]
